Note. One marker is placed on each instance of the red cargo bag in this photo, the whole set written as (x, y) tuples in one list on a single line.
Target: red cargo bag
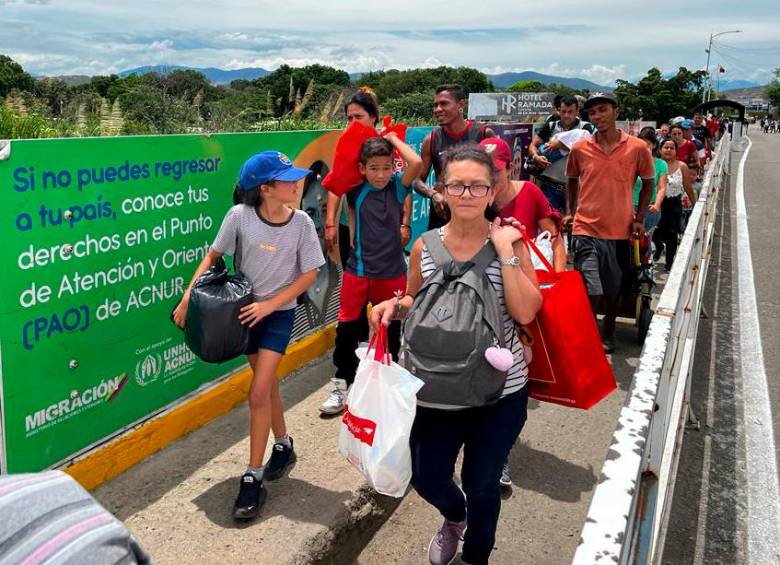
[(569, 366), (345, 174)]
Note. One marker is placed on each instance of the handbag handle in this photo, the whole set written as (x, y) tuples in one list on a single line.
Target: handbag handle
[(378, 343), (532, 247)]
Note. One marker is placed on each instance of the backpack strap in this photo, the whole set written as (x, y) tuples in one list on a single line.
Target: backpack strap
[(484, 258), (436, 248), (481, 261)]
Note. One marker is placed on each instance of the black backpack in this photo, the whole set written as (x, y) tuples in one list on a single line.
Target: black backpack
[(455, 318)]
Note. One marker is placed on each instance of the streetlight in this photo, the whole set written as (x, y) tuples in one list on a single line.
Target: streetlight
[(706, 92)]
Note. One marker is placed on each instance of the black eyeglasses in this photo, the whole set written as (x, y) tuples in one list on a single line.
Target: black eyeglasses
[(476, 190)]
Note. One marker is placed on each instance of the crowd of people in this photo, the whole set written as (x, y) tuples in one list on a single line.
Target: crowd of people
[(610, 188), (770, 125)]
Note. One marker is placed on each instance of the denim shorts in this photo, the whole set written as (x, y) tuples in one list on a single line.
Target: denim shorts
[(272, 333)]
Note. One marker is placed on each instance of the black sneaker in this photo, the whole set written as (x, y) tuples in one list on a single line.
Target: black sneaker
[(251, 497), (282, 459)]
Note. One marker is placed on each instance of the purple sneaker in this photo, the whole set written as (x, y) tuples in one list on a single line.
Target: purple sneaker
[(444, 544)]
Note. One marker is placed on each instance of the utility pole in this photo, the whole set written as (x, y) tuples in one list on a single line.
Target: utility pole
[(706, 94)]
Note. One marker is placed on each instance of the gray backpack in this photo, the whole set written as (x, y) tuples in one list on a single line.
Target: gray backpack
[(455, 317)]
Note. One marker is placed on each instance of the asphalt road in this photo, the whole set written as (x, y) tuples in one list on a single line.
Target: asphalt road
[(710, 513)]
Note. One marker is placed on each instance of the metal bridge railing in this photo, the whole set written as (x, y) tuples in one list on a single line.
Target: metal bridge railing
[(629, 512)]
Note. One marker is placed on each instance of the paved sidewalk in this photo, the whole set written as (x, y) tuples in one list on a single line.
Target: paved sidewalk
[(179, 501)]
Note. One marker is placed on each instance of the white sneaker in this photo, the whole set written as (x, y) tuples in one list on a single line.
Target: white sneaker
[(334, 404)]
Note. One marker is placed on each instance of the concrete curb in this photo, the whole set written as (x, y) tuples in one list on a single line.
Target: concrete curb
[(346, 537), (120, 454)]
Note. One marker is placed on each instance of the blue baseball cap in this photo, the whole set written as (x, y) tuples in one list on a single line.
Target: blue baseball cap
[(687, 124), (262, 168)]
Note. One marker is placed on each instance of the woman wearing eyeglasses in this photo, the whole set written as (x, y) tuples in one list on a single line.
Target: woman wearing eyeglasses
[(486, 433)]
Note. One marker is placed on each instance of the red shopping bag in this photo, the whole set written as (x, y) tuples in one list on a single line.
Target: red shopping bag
[(569, 366), (345, 174)]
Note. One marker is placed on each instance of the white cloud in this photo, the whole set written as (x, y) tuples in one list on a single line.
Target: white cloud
[(163, 45), (601, 74), (496, 36)]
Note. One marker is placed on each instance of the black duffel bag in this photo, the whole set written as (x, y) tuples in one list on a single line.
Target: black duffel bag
[(212, 330)]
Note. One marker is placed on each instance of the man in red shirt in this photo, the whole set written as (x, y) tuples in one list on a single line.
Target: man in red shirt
[(602, 171)]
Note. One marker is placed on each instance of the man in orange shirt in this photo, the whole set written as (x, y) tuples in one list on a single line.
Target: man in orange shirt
[(602, 171)]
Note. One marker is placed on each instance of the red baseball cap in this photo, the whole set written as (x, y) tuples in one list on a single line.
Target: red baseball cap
[(499, 150)]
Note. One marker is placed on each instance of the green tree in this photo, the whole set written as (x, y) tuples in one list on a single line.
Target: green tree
[(772, 90), (657, 98), (54, 93), (394, 83), (149, 106), (186, 84), (528, 86), (411, 106), (12, 76), (286, 84), (98, 84)]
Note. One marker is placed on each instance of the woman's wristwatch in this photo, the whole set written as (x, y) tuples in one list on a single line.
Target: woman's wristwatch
[(513, 261)]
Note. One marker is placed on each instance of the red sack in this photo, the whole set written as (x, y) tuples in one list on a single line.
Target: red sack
[(399, 129), (345, 174), (569, 366)]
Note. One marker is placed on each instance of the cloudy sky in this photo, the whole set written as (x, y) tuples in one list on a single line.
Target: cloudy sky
[(599, 40)]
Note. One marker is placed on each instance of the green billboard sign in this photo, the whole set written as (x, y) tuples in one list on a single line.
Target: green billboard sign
[(100, 236)]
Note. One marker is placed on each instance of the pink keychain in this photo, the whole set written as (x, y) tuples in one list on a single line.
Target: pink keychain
[(500, 358)]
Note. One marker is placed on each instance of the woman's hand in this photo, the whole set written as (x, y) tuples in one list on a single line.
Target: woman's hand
[(253, 313), (504, 236), (383, 313), (180, 313)]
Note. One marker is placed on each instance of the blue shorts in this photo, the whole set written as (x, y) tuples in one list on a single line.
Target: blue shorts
[(272, 333)]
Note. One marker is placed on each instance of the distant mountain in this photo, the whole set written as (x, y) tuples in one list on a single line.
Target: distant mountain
[(734, 84), (505, 80), (216, 76), (747, 96)]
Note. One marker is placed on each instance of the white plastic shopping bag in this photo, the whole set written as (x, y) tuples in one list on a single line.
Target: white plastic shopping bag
[(378, 417), (544, 243)]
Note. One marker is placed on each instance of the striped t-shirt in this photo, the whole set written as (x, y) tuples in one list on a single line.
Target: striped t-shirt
[(517, 376), (272, 255), (49, 518)]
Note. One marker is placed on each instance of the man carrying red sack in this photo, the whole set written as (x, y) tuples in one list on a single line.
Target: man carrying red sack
[(448, 106), (601, 172)]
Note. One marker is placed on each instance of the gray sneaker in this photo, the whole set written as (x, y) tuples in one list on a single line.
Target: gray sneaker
[(444, 544), (334, 404)]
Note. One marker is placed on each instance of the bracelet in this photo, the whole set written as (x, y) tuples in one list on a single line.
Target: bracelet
[(330, 226), (407, 226), (399, 294)]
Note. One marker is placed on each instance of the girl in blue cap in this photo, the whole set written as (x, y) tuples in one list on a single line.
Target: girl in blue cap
[(280, 253)]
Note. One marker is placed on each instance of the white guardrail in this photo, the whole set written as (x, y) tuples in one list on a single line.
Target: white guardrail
[(629, 512)]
